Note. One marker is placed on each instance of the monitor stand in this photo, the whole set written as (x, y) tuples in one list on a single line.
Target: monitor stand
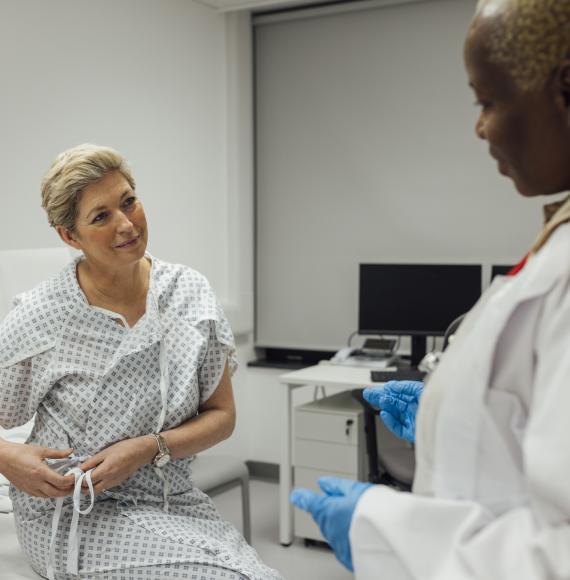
[(419, 348)]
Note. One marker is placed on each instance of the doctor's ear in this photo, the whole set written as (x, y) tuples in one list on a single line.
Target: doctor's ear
[(68, 237), (562, 87)]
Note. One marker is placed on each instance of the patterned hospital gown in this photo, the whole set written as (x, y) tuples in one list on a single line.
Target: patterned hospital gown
[(92, 382)]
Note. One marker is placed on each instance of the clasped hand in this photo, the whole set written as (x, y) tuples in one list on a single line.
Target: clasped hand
[(398, 403), (25, 467), (118, 462)]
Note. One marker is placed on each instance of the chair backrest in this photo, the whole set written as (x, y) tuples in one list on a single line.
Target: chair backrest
[(21, 270), (390, 459)]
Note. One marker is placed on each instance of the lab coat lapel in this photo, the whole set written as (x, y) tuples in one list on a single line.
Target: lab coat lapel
[(466, 371)]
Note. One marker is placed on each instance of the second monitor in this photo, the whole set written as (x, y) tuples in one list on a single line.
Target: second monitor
[(418, 300)]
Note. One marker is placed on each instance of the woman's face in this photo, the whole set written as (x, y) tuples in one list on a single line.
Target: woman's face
[(527, 132), (110, 227)]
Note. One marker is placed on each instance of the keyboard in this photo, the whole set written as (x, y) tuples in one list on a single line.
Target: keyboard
[(397, 375)]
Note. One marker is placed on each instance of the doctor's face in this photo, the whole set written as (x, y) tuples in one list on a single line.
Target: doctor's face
[(110, 227), (527, 132)]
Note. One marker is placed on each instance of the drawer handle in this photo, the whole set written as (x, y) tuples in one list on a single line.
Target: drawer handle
[(349, 423)]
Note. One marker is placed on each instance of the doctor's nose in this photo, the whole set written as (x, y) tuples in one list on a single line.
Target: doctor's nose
[(480, 128)]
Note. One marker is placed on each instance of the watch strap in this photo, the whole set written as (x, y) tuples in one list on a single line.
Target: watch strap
[(162, 446)]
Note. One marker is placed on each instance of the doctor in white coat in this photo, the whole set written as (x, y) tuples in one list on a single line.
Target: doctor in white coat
[(491, 496)]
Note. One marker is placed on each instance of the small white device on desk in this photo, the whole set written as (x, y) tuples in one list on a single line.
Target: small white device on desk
[(376, 353), (328, 440)]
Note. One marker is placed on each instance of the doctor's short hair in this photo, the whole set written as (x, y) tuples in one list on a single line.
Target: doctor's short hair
[(70, 173), (532, 40)]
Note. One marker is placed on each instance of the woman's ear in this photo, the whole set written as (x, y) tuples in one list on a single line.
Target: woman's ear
[(68, 237)]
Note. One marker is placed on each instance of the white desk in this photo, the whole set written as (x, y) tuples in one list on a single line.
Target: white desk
[(319, 375)]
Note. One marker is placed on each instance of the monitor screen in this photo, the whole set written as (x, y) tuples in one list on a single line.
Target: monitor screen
[(415, 299), (500, 270)]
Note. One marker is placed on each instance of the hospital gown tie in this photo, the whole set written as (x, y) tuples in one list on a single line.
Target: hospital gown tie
[(72, 564)]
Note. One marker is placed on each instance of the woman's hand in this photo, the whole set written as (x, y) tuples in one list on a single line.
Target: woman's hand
[(24, 466), (119, 461)]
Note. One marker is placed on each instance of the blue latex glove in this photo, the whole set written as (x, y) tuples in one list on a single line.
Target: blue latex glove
[(333, 511), (398, 401)]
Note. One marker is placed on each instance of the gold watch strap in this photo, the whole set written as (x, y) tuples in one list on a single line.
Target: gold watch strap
[(161, 443)]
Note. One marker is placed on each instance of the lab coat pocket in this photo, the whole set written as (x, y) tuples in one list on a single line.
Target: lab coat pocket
[(183, 529), (502, 482)]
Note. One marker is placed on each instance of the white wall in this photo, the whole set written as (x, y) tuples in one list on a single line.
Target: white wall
[(240, 226), (143, 76)]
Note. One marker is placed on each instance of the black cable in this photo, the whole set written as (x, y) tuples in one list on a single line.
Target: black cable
[(351, 336), (396, 346), (451, 330)]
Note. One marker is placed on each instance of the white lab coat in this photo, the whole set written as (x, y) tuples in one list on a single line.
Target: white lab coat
[(491, 496)]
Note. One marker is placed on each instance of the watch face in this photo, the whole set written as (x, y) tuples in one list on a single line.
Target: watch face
[(162, 460)]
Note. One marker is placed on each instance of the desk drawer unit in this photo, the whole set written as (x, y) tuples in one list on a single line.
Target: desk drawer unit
[(328, 441)]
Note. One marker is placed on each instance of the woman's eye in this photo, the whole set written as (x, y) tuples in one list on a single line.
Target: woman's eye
[(99, 217), (129, 201)]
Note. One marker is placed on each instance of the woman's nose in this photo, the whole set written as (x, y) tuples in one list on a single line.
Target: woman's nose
[(124, 223)]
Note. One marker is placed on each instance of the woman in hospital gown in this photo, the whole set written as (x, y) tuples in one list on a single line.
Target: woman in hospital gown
[(101, 380), (491, 494)]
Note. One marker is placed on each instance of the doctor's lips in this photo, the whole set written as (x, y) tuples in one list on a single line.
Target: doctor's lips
[(129, 243), (503, 170)]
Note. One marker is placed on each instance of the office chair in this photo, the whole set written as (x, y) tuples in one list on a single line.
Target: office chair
[(391, 460)]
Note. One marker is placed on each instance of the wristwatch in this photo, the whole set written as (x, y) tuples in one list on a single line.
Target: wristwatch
[(162, 457)]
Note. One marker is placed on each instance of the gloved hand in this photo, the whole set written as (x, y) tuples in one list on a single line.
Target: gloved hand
[(333, 511), (398, 401)]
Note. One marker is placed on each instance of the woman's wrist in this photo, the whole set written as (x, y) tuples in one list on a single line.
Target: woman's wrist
[(149, 448), (4, 447)]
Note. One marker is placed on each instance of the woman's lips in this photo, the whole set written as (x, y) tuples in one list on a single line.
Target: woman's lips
[(129, 243)]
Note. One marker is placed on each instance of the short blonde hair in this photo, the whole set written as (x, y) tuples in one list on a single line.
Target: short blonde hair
[(70, 173), (533, 39)]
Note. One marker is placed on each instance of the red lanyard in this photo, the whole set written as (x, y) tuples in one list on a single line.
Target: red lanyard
[(516, 269)]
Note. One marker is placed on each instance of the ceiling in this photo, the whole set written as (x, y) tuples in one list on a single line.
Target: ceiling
[(233, 5)]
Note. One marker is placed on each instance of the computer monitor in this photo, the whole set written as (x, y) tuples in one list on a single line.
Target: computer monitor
[(419, 300), (500, 270)]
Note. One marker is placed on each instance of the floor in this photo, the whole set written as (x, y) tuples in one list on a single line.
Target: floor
[(296, 562)]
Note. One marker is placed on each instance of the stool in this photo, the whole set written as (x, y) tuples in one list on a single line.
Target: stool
[(216, 473)]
